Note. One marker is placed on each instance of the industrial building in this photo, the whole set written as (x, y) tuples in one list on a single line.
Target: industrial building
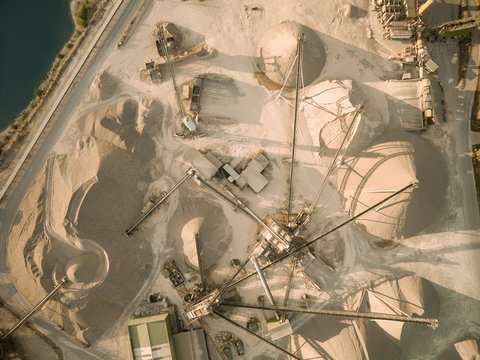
[(152, 338)]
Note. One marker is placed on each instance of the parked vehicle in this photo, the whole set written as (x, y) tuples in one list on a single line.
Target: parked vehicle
[(239, 347), (197, 89)]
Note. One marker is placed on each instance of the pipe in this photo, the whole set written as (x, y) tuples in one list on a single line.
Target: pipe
[(200, 267), (245, 209), (262, 280), (433, 323), (35, 308), (292, 162), (413, 184), (134, 226), (163, 41), (424, 7), (289, 285)]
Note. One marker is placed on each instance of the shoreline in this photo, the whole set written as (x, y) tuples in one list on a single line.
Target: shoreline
[(14, 134)]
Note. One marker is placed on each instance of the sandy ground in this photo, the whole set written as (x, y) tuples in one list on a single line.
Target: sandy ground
[(119, 151)]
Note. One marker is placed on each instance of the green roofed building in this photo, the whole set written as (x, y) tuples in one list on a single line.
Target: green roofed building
[(151, 338)]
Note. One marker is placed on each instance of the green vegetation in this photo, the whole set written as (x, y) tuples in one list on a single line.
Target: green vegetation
[(82, 15), (476, 169), (38, 92)]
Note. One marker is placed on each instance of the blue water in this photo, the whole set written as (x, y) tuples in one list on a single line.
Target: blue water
[(32, 32)]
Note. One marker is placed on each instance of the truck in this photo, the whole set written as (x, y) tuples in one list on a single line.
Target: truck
[(197, 89)]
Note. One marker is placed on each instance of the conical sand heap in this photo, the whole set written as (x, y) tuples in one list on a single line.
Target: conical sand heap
[(277, 50)]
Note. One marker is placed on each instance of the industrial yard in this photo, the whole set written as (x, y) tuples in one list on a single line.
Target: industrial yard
[(268, 180)]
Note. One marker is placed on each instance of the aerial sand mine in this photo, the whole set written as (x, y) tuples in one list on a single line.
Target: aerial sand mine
[(126, 145)]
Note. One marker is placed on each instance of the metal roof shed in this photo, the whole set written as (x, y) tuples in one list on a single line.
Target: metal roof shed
[(191, 345), (151, 338), (252, 173), (254, 179)]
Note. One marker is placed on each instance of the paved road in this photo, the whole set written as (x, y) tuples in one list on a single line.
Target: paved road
[(7, 214), (59, 98), (72, 349), (458, 106), (462, 139)]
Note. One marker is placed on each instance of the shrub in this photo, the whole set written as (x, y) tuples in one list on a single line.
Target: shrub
[(82, 15)]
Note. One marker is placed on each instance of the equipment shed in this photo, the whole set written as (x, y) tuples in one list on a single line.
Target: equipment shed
[(191, 345), (151, 338)]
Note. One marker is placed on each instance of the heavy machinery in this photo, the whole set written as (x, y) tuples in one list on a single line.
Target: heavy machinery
[(208, 303), (166, 44), (275, 244), (456, 28)]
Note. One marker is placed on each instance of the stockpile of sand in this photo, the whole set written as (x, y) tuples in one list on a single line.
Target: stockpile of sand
[(277, 49), (332, 338), (411, 295), (128, 124), (467, 349), (103, 86), (326, 103), (204, 218), (170, 30), (329, 108), (406, 294), (76, 229), (379, 171), (72, 222)]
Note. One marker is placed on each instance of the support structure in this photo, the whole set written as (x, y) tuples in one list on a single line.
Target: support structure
[(200, 267), (334, 161), (163, 43), (433, 323), (289, 285), (152, 209), (413, 184), (292, 160), (264, 282), (35, 308)]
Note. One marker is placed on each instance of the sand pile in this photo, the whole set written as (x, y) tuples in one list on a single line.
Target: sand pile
[(277, 49), (72, 222), (406, 294), (329, 108), (377, 340), (103, 86), (171, 30), (202, 217), (467, 349), (412, 295), (333, 338), (77, 213), (365, 180), (429, 198), (128, 124)]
